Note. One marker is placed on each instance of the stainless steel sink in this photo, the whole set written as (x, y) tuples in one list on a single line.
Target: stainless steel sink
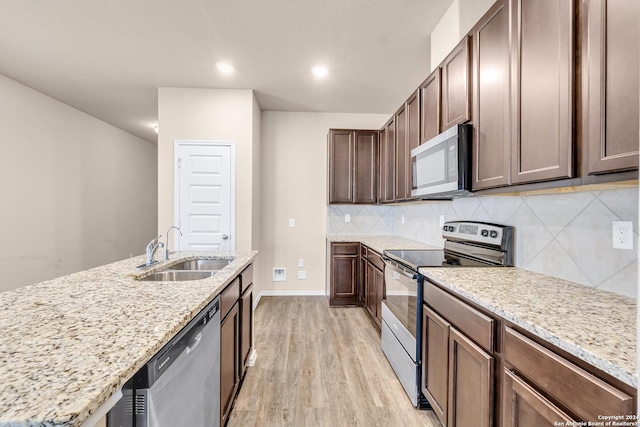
[(202, 264), (177, 275)]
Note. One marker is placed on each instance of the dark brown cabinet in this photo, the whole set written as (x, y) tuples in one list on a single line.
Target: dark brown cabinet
[(456, 83), (388, 162), (343, 283), (610, 91), (407, 138), (457, 357), (546, 381), (353, 166), (246, 318), (542, 76), (374, 284), (491, 111), (526, 407), (229, 348), (430, 106)]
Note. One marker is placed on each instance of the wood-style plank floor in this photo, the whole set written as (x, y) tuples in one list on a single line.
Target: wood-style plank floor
[(320, 366)]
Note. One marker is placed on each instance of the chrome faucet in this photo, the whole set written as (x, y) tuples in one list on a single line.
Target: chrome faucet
[(166, 248), (152, 247)]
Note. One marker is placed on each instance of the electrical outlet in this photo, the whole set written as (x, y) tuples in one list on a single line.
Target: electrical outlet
[(441, 221), (302, 275), (402, 219), (623, 235), (292, 222), (300, 262), (347, 218)]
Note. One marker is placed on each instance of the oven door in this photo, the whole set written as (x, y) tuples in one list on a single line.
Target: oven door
[(400, 305)]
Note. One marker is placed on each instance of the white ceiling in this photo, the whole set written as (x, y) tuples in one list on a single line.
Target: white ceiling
[(108, 57)]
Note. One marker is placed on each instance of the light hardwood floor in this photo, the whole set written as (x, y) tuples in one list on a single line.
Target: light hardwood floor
[(320, 366)]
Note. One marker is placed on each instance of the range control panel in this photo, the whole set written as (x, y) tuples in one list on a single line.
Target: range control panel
[(478, 232)]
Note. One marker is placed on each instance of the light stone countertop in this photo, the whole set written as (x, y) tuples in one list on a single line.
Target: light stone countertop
[(67, 344), (381, 242), (596, 326)]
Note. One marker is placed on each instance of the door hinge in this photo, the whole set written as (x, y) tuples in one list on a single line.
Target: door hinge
[(179, 162)]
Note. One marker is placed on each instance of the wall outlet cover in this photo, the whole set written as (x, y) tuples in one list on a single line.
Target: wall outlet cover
[(292, 222), (623, 235), (347, 218), (302, 275)]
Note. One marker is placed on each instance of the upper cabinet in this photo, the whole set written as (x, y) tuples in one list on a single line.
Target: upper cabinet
[(407, 138), (610, 69), (456, 81), (388, 162), (353, 166), (430, 106), (542, 76), (491, 131)]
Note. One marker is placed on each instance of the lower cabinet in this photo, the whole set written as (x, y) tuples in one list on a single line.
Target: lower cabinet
[(458, 373), (229, 366), (373, 285), (343, 281), (543, 388), (236, 337)]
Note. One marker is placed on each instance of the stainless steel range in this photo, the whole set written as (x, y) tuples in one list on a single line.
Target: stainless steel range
[(467, 244)]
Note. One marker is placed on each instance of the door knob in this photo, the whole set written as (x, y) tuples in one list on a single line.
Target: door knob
[(225, 237)]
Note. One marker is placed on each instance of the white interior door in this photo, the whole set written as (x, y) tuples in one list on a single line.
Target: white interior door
[(205, 195)]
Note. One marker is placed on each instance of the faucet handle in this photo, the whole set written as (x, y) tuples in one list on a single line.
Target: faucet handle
[(153, 241)]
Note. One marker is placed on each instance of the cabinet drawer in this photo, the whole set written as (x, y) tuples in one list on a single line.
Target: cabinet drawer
[(344, 248), (375, 259), (474, 324), (229, 297), (363, 251), (584, 394), (246, 278)]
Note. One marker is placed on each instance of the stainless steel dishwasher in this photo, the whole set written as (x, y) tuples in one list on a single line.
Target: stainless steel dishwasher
[(180, 385)]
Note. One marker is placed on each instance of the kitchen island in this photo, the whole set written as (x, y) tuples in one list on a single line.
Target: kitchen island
[(68, 344)]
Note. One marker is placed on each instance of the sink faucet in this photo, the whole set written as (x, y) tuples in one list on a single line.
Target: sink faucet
[(166, 248), (152, 247)]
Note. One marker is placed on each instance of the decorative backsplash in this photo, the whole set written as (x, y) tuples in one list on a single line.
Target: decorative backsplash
[(566, 235)]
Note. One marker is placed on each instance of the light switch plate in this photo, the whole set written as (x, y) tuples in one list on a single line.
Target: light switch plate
[(300, 262), (292, 222), (623, 235)]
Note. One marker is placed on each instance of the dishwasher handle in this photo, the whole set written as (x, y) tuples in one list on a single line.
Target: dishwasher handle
[(194, 342)]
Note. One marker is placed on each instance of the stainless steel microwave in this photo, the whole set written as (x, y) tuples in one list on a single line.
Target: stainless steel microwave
[(442, 165)]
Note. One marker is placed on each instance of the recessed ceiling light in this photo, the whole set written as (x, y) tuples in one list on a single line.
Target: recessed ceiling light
[(225, 67), (320, 71)]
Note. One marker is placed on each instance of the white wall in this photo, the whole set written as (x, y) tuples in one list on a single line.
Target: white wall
[(210, 114), (294, 171), (461, 16), (76, 192)]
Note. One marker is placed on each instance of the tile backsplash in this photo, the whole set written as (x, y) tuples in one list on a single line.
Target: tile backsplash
[(566, 235)]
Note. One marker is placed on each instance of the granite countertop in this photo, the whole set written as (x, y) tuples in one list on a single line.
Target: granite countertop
[(68, 344), (381, 242), (596, 326)]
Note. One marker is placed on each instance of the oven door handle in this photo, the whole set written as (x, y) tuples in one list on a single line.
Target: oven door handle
[(399, 268)]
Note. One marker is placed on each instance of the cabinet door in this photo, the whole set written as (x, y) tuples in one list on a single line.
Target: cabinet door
[(388, 163), (470, 383), (229, 369), (611, 67), (340, 166), (435, 362), (491, 131), (430, 107), (344, 273), (542, 90), (402, 153), (525, 407), (413, 137), (371, 290), (379, 293), (246, 328), (366, 167), (362, 280), (456, 79)]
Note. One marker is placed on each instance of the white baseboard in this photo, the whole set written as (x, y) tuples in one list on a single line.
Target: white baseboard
[(287, 294)]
